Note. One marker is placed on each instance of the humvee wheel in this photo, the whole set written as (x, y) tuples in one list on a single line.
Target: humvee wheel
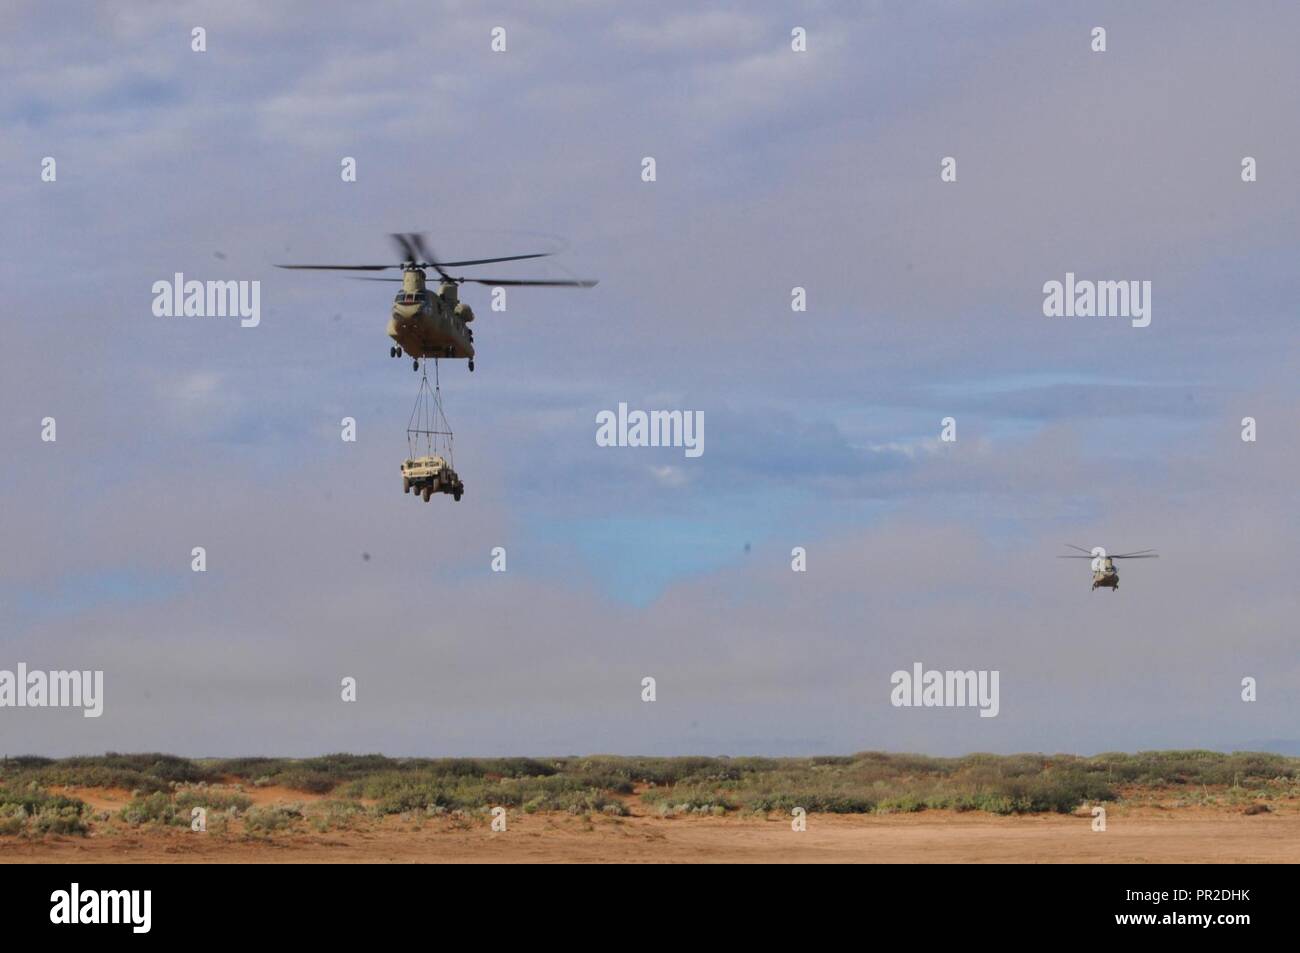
[(428, 491), (456, 496), (406, 485)]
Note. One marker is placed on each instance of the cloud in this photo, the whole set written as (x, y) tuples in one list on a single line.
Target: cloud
[(777, 170)]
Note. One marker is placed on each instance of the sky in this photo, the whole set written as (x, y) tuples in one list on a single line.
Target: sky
[(775, 169)]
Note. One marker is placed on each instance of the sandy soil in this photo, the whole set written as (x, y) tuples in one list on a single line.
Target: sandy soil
[(1133, 835)]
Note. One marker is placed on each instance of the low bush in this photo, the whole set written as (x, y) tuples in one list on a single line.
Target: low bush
[(30, 810)]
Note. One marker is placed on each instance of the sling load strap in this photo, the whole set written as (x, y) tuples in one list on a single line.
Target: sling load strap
[(428, 420)]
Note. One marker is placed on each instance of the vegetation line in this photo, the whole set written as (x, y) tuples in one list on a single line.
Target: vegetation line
[(166, 789)]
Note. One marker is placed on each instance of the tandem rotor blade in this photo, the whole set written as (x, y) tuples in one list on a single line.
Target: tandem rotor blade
[(503, 281), (488, 261), (416, 253), (1079, 548), (417, 239), (426, 256), (341, 267), (1132, 555), (414, 245), (534, 284), (1138, 556), (406, 246)]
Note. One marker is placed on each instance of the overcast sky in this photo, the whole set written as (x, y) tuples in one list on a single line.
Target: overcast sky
[(775, 169)]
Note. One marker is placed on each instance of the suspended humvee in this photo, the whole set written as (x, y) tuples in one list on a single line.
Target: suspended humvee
[(429, 475)]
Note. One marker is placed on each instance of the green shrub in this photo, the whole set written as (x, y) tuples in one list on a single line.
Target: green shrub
[(156, 808), (13, 819), (168, 787), (212, 799), (31, 810), (266, 820)]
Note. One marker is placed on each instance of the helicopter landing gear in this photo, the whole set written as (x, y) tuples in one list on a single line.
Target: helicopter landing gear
[(415, 364), (471, 366), (392, 352)]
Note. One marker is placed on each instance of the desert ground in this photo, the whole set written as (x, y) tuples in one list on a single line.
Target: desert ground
[(1146, 831)]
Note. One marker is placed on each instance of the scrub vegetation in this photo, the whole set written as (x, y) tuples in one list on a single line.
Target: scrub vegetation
[(341, 791)]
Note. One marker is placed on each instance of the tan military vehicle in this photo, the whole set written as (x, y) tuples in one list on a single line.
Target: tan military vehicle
[(429, 475)]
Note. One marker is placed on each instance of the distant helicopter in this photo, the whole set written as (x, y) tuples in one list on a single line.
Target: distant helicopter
[(436, 324), (1104, 573)]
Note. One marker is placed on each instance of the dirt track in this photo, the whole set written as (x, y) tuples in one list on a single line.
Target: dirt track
[(1137, 835)]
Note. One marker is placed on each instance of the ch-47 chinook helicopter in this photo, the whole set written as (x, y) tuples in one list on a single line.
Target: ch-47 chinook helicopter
[(429, 323), (1104, 573)]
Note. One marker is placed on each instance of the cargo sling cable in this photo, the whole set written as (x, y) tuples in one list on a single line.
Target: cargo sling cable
[(432, 471), (428, 420)]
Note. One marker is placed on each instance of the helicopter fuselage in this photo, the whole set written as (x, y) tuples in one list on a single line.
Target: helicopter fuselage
[(435, 323), (1105, 575), (1105, 580), (431, 323)]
